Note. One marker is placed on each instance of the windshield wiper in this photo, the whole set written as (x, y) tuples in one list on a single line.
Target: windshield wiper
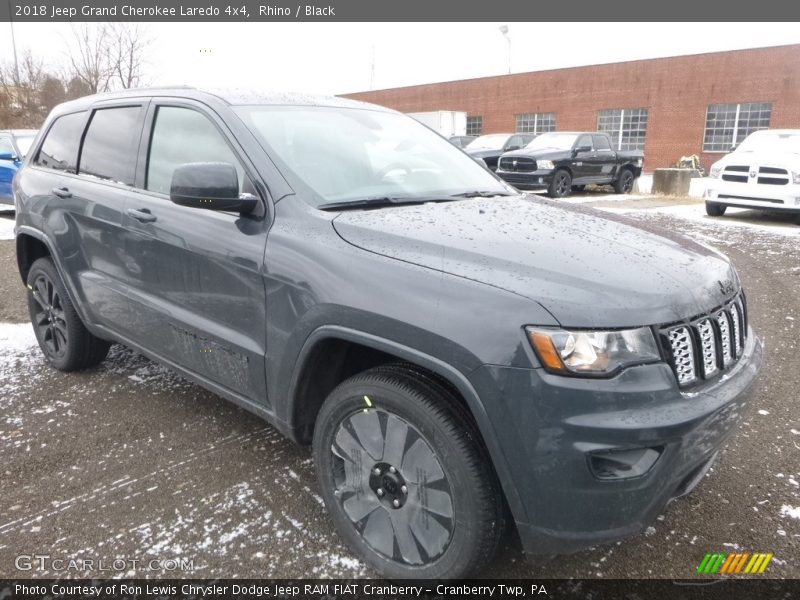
[(382, 201), (480, 194)]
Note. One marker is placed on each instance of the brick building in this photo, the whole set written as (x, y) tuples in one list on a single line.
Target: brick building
[(669, 107)]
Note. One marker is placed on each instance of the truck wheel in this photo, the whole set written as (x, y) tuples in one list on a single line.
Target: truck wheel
[(408, 485), (715, 210), (561, 184), (624, 183), (66, 343)]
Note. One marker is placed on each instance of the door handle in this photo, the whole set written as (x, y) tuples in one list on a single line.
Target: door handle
[(62, 192), (143, 215)]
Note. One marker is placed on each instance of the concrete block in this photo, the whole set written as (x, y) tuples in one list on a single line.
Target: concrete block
[(672, 182)]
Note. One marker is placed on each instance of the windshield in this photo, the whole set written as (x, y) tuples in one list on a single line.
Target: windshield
[(554, 141), (772, 141), (346, 154), (494, 141), (24, 143)]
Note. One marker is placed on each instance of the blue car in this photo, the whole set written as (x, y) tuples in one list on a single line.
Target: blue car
[(14, 144)]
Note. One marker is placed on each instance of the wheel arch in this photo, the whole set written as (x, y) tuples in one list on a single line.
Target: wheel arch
[(31, 245), (305, 397)]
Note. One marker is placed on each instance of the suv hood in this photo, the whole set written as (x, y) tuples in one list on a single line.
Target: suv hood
[(587, 268)]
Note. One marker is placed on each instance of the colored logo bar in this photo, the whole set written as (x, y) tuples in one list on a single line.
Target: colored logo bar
[(727, 564)]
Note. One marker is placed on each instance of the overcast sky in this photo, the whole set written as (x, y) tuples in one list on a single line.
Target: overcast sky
[(336, 58)]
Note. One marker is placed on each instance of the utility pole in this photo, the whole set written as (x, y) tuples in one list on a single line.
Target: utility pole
[(504, 31), (13, 42), (372, 70)]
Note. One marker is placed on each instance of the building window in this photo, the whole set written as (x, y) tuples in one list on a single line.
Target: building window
[(474, 125), (627, 127), (729, 124), (536, 122)]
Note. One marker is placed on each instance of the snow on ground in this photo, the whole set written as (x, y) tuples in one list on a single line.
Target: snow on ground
[(734, 217), (6, 228)]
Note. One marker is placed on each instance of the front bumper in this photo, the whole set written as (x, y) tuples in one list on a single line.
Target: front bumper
[(551, 427), (527, 179), (754, 195)]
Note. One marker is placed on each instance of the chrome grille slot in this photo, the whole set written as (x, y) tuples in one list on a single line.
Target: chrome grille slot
[(737, 329), (708, 347), (709, 344), (725, 338), (680, 340)]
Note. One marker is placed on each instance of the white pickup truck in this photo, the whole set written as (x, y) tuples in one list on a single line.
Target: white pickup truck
[(763, 172)]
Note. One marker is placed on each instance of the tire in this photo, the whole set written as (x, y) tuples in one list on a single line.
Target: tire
[(561, 185), (578, 188), (65, 342), (715, 210), (413, 429), (624, 183)]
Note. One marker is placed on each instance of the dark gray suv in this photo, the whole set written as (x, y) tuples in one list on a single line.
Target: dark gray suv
[(462, 358)]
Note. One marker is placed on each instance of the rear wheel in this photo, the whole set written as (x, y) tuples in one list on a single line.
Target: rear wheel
[(408, 485), (66, 343), (561, 184), (715, 210), (624, 183)]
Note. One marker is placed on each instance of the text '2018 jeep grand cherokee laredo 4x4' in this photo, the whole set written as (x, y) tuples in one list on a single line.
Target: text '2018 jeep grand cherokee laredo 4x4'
[(453, 351)]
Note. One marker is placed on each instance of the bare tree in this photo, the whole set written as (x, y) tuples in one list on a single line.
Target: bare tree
[(127, 53), (107, 56), (20, 102), (91, 62)]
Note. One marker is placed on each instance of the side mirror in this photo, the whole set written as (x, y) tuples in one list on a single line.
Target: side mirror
[(8, 156), (580, 149), (211, 185)]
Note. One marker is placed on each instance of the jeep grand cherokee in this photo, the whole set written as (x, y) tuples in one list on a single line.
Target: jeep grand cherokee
[(462, 358)]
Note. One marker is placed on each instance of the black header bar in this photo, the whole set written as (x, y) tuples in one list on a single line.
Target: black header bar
[(399, 11)]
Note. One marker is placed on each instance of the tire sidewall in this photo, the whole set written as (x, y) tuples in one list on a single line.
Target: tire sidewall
[(45, 266), (347, 400), (553, 190)]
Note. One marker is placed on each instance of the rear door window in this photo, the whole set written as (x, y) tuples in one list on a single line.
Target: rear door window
[(60, 148), (181, 136), (111, 144)]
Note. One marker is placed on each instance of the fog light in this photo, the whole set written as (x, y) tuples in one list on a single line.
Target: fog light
[(623, 464)]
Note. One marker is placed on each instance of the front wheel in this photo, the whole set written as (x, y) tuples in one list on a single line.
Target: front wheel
[(624, 183), (408, 485), (561, 184), (715, 210)]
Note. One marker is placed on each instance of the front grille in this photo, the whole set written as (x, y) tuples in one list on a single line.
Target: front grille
[(519, 164), (766, 175), (707, 345)]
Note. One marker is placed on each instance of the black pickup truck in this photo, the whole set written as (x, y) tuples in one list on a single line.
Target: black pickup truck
[(563, 161)]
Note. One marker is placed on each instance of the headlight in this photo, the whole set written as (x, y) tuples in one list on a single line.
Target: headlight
[(545, 164), (796, 177), (592, 352), (715, 171)]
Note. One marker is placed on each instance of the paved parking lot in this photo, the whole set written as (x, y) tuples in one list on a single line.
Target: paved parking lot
[(128, 461)]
